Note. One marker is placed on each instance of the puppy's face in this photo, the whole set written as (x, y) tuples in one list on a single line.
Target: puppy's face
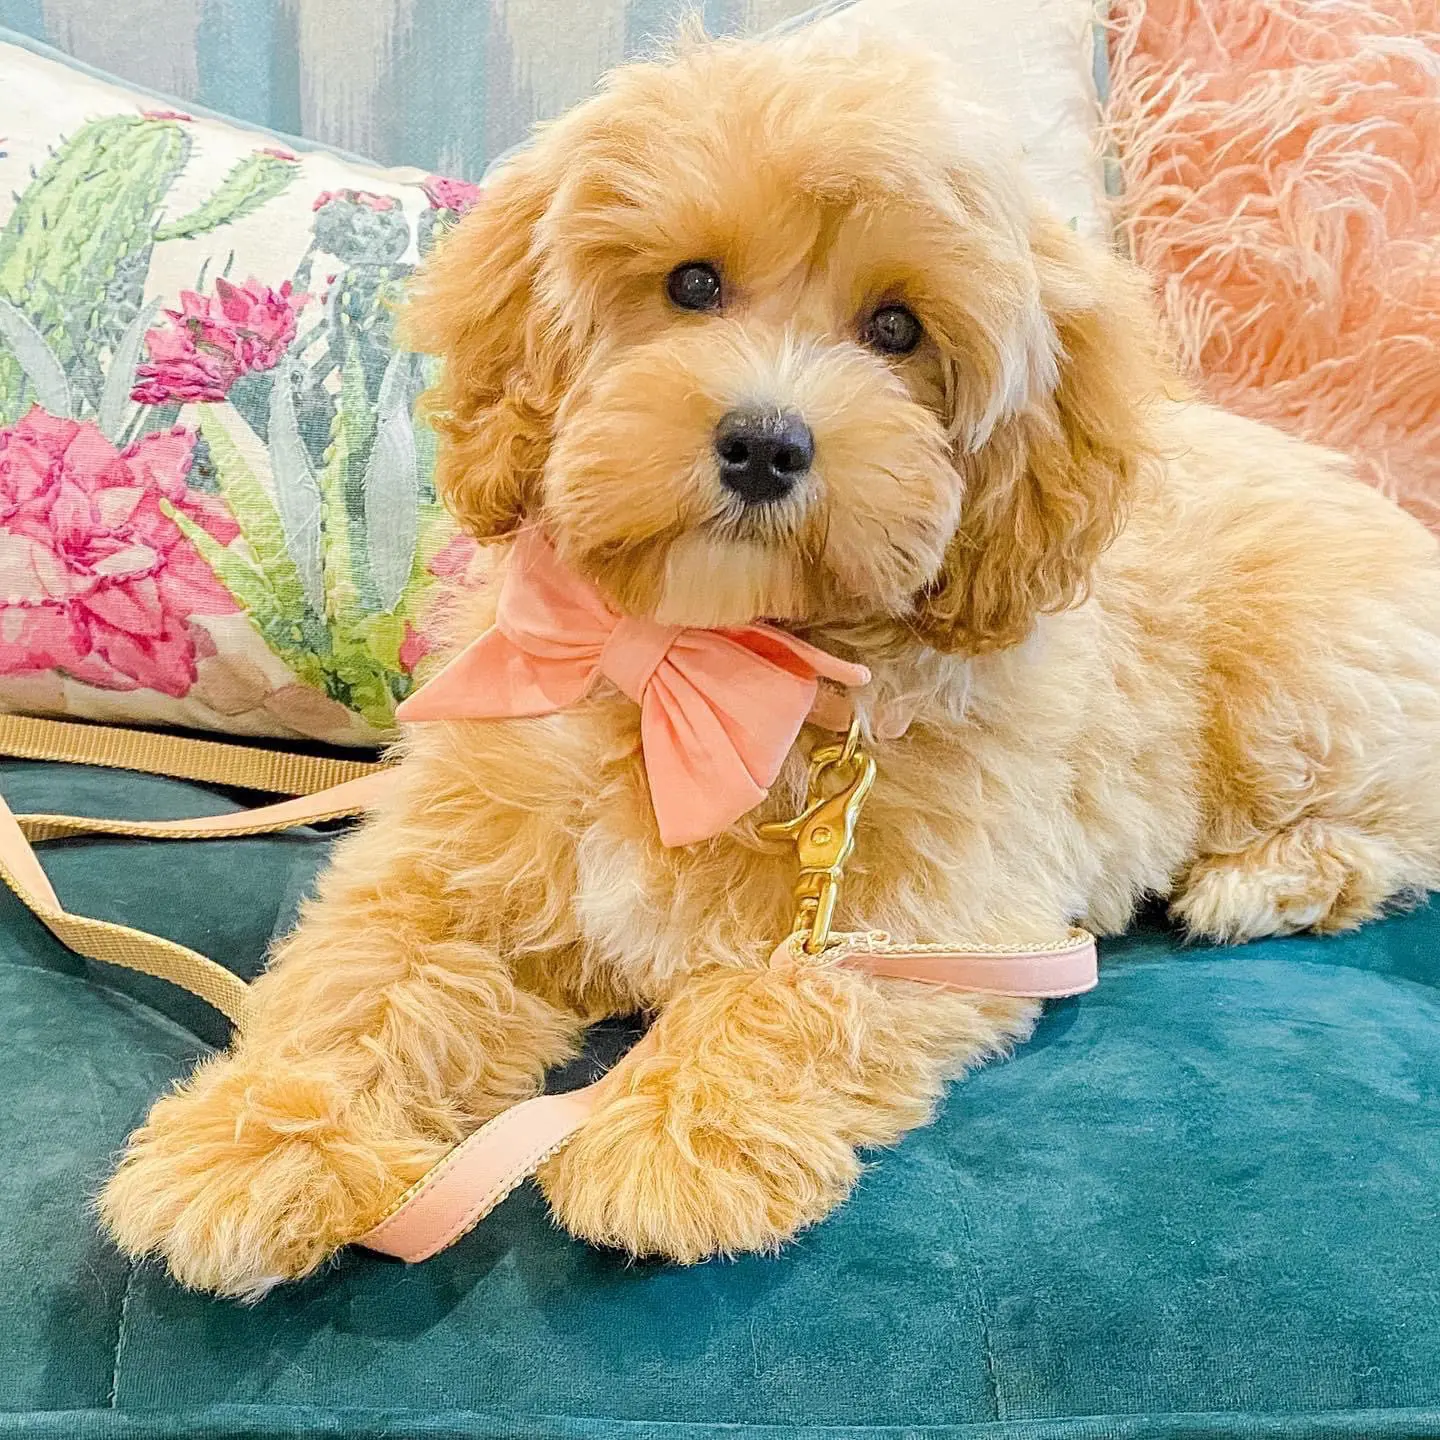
[(758, 425), (771, 331)]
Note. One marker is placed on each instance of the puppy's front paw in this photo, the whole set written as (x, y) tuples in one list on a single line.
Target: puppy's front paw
[(1314, 875), (241, 1180), (674, 1171)]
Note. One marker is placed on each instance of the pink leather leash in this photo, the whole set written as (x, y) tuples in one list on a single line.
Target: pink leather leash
[(451, 1199)]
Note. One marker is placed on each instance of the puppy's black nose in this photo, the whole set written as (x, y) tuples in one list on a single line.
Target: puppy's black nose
[(763, 453)]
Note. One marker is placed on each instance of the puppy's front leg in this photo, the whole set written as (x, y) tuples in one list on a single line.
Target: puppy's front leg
[(737, 1124), (387, 1027)]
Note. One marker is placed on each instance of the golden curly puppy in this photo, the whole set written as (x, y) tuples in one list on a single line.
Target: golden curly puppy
[(777, 330)]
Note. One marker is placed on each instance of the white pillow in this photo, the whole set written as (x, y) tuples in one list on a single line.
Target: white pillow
[(1030, 61)]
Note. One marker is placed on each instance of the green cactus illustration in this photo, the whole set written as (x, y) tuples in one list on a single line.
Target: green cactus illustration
[(126, 293), (374, 560), (251, 182), (348, 592), (358, 321), (350, 647), (259, 521), (363, 669), (360, 229), (83, 227)]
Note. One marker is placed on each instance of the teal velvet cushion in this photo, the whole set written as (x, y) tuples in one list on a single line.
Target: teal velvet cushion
[(1202, 1202)]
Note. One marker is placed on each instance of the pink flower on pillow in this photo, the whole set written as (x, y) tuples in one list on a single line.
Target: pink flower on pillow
[(355, 197), (214, 340), (415, 645), (95, 579), (447, 194), (449, 563)]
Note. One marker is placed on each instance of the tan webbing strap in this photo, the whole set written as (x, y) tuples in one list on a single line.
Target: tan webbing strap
[(211, 762), (350, 798), (359, 787), (115, 944)]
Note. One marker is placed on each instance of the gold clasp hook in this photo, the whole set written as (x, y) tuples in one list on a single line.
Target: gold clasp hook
[(824, 834)]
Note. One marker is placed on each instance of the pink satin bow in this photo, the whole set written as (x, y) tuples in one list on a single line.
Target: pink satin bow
[(719, 709)]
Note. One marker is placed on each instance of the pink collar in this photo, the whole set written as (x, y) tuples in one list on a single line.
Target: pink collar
[(719, 709)]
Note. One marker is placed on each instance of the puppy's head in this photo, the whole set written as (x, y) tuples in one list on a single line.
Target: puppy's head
[(775, 330)]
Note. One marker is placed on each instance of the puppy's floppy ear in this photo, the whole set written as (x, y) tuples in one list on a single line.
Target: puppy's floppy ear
[(473, 304), (1047, 491)]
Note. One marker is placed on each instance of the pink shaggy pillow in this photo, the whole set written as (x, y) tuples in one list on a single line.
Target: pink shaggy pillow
[(1281, 165)]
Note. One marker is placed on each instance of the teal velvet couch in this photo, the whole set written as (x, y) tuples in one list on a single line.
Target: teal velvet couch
[(1203, 1202)]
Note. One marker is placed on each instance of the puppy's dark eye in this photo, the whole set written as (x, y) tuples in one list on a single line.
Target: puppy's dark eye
[(893, 330), (694, 286)]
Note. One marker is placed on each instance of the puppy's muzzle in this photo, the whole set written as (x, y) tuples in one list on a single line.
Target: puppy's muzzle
[(763, 454)]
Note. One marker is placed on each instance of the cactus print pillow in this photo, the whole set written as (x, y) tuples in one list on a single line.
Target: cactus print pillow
[(215, 508)]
